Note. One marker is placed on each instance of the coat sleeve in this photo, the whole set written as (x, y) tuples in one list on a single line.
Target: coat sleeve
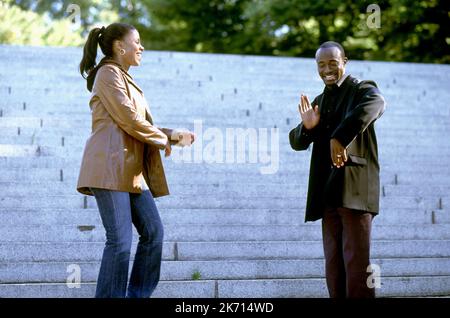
[(369, 108), (169, 133), (112, 92), (300, 138)]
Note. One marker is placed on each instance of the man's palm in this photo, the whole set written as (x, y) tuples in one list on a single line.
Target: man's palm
[(310, 116)]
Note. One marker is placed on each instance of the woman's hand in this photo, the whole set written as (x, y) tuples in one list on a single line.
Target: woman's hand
[(192, 135), (184, 138)]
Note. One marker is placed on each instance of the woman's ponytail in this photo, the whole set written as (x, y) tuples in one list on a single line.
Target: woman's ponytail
[(88, 61), (103, 37)]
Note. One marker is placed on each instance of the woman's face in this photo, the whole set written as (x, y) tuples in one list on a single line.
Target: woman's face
[(131, 43)]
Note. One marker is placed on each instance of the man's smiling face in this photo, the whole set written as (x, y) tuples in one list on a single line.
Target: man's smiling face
[(330, 64)]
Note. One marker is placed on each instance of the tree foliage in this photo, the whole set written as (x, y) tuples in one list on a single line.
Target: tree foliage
[(409, 30), (18, 26)]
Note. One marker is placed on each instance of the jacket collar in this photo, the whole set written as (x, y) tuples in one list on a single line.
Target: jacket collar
[(126, 75), (341, 94), (342, 79)]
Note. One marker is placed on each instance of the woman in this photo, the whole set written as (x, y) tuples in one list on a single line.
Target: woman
[(120, 159)]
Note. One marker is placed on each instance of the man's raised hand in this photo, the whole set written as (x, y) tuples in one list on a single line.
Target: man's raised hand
[(310, 117)]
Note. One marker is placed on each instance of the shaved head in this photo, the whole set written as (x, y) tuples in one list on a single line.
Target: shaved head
[(329, 44)]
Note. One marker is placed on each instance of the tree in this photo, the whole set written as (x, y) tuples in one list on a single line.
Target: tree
[(416, 31), (201, 25), (409, 30), (25, 27)]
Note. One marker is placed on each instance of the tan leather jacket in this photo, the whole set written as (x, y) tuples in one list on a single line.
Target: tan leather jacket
[(124, 144)]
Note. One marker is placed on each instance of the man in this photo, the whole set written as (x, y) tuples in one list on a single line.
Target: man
[(344, 185)]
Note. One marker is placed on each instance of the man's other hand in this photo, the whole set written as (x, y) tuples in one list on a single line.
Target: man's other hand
[(338, 153)]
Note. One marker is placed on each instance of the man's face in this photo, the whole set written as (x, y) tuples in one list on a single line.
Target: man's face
[(330, 64)]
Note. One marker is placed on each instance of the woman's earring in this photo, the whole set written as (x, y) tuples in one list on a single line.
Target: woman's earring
[(122, 52)]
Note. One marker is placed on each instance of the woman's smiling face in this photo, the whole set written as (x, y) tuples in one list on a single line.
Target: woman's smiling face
[(131, 43)]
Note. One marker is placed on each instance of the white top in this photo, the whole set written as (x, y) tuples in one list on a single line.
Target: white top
[(144, 184), (342, 79)]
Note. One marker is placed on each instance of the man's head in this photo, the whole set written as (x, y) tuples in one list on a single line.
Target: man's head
[(331, 60)]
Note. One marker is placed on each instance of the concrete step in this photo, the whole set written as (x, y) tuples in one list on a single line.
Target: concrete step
[(201, 89), (246, 173), (202, 99), (273, 288), (234, 105), (299, 189), (169, 80), (390, 287), (213, 201), (64, 146), (179, 186), (229, 71), (310, 249), (420, 191), (206, 96), (172, 77), (213, 232), (63, 139), (247, 104), (83, 251), (52, 136), (61, 251), (177, 172), (9, 189), (297, 164), (165, 289), (233, 67), (58, 272), (210, 85), (289, 162), (199, 154), (18, 135), (169, 216), (18, 150), (264, 122), (33, 124), (38, 216)]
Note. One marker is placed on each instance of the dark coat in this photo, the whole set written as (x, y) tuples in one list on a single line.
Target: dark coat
[(358, 182)]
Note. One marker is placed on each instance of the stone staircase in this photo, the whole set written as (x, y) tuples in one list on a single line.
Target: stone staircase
[(230, 231)]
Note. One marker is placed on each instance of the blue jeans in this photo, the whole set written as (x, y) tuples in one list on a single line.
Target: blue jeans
[(119, 210)]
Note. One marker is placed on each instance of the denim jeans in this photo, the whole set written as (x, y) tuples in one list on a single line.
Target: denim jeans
[(119, 210)]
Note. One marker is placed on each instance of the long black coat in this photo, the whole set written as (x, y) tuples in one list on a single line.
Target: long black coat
[(358, 182)]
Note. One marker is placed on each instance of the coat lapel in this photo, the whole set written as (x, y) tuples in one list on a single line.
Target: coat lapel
[(132, 82), (148, 116), (341, 95), (345, 87), (128, 79)]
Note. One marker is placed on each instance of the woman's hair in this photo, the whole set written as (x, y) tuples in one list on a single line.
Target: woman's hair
[(104, 37)]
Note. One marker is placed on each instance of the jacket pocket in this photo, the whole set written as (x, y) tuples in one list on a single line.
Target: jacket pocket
[(356, 160)]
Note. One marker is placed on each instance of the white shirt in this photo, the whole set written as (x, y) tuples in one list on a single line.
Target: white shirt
[(342, 79)]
